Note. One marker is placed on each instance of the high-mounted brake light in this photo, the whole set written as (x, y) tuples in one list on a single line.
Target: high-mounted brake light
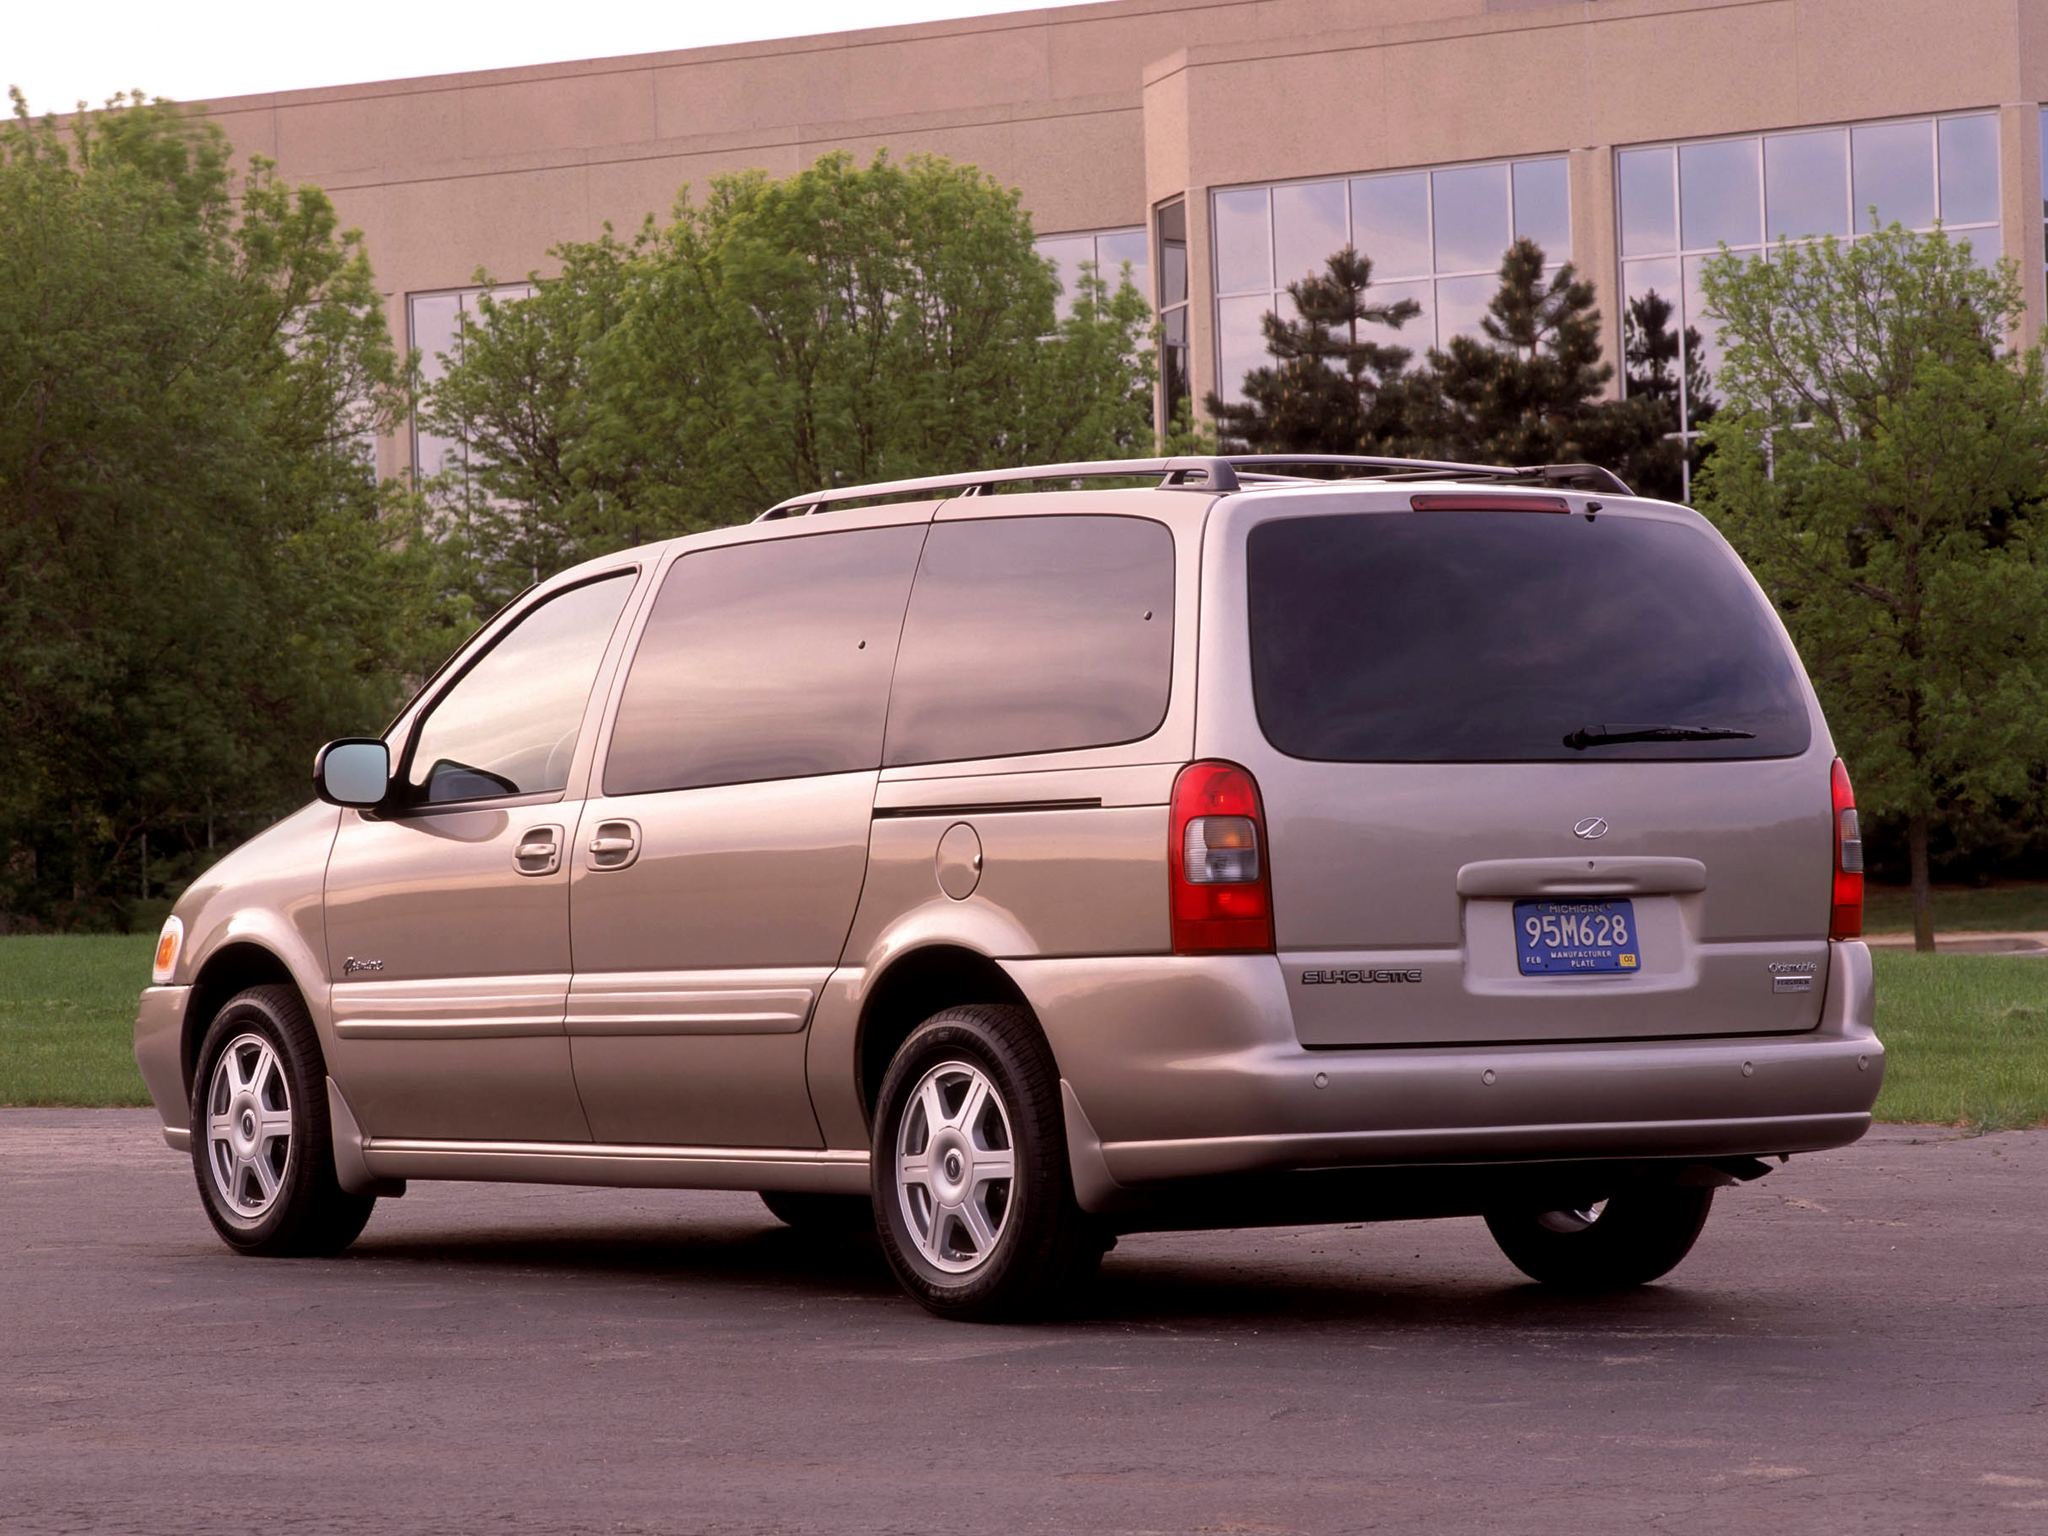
[(1480, 501), (1847, 921), (1219, 890)]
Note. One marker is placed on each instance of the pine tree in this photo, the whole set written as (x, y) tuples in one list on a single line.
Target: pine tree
[(1331, 389)]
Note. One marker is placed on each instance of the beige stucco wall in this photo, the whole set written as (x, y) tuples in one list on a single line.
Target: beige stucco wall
[(1100, 112)]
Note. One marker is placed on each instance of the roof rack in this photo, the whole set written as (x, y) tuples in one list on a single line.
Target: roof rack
[(1213, 474)]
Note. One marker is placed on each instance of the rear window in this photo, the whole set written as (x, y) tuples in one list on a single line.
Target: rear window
[(1512, 637), (1034, 634)]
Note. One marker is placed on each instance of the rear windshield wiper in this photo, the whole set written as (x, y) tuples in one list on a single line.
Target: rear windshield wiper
[(1608, 735)]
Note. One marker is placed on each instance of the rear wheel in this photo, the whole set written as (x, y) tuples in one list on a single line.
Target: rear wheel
[(972, 1199), (262, 1147), (827, 1215), (1626, 1240)]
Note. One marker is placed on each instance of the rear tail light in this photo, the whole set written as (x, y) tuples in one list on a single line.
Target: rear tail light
[(1847, 922), (1219, 890)]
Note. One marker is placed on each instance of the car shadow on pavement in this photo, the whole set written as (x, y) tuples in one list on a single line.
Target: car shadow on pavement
[(1224, 1289)]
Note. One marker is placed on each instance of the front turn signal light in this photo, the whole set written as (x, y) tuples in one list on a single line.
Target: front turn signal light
[(168, 943)]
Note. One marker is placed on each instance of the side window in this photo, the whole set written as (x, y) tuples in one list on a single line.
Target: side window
[(1034, 634), (508, 726), (765, 661)]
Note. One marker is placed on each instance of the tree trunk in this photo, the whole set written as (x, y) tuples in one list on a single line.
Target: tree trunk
[(1923, 888)]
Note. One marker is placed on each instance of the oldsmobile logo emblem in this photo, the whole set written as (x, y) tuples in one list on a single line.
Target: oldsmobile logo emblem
[(1590, 827)]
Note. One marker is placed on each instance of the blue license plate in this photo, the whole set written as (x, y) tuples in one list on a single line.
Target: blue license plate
[(1576, 938)]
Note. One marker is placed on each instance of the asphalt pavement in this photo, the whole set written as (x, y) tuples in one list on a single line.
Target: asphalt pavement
[(1858, 1344)]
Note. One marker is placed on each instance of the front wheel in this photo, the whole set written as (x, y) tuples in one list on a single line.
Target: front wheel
[(972, 1199), (1627, 1240), (262, 1147)]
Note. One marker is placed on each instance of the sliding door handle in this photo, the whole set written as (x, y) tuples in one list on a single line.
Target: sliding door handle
[(615, 845)]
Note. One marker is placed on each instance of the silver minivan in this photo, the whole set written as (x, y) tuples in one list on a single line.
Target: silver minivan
[(1020, 859)]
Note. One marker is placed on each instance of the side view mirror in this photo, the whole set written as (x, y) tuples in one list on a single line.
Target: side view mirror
[(354, 771)]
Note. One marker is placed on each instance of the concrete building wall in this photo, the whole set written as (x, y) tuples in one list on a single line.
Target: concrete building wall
[(1100, 113)]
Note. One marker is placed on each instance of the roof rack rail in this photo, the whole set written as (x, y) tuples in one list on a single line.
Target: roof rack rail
[(1209, 473), (1191, 474)]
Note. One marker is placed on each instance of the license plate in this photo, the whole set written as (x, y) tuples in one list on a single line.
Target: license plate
[(1576, 938)]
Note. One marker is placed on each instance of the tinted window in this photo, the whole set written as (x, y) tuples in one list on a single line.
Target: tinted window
[(1492, 636), (764, 661), (1034, 634), (509, 725)]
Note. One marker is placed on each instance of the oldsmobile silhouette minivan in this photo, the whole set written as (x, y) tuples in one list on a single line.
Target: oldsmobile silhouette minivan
[(1023, 858)]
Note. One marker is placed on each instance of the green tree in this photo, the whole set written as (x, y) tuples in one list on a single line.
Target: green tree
[(1881, 465), (846, 324), (1531, 388), (1333, 386), (1650, 347), (199, 575)]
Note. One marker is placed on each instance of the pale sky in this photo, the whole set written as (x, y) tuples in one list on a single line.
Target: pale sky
[(60, 55)]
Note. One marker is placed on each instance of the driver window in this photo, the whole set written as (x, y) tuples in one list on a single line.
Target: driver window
[(508, 726)]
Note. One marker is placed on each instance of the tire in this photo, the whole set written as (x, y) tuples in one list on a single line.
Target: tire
[(262, 1147), (825, 1215), (973, 1202), (1627, 1240)]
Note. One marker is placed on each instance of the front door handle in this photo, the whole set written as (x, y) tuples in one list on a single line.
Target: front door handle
[(539, 851), (615, 844)]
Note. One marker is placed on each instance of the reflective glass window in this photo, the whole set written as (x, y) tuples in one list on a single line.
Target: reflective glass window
[(1309, 226), (1390, 223), (1241, 341), (1108, 249), (509, 724), (1986, 246), (435, 322), (1244, 241), (1417, 335), (1543, 210), (1719, 195), (1034, 634), (1892, 168), (1806, 184), (1461, 305), (1649, 201), (1470, 210), (1067, 253), (1969, 169), (1434, 236), (765, 661), (1115, 248)]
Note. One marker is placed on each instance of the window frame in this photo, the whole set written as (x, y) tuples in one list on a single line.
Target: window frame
[(401, 801)]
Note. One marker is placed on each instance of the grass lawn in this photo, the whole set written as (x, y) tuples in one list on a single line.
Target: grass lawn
[(67, 1018), (1966, 1036), (2005, 907), (1966, 1039)]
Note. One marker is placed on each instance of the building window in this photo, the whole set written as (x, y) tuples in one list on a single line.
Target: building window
[(434, 323), (1108, 249), (1175, 388), (1434, 236), (1681, 202)]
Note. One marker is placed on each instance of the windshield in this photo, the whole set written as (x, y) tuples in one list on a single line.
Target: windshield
[(1513, 637)]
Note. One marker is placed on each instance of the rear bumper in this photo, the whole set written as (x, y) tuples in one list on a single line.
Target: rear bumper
[(160, 1053), (1188, 1068)]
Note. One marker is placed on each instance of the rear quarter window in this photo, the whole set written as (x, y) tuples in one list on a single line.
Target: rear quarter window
[(1495, 636), (1034, 634)]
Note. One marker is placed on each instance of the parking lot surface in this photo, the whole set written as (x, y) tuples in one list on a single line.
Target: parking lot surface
[(1858, 1344)]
